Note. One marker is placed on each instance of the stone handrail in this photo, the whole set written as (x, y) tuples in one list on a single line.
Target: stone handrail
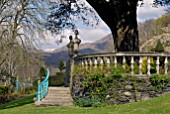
[(134, 57)]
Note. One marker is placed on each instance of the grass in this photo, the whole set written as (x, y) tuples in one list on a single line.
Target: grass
[(160, 105)]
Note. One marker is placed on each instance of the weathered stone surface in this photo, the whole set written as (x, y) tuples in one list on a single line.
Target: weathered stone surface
[(128, 87), (127, 93), (137, 96), (121, 93), (145, 97)]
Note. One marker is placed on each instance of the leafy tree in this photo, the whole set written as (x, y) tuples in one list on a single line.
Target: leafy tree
[(159, 47), (163, 20), (61, 66), (119, 15), (42, 72)]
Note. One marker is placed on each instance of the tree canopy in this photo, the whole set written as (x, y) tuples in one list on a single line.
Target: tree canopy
[(119, 15)]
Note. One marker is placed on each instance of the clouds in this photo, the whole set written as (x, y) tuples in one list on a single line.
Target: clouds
[(91, 34), (86, 34), (148, 12)]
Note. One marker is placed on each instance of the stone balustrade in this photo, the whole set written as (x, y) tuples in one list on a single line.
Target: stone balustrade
[(124, 58)]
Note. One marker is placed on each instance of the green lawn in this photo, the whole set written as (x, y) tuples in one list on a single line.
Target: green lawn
[(160, 105)]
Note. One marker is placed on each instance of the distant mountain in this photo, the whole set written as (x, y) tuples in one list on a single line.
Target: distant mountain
[(103, 45)]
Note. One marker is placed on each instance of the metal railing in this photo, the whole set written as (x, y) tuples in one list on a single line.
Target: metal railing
[(22, 85), (43, 87), (17, 84)]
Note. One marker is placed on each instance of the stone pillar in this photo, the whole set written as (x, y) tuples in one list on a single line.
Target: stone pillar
[(73, 50), (69, 63)]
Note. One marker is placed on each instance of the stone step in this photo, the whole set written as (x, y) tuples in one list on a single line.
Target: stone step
[(57, 98), (58, 95), (57, 101), (45, 103), (59, 92), (59, 89)]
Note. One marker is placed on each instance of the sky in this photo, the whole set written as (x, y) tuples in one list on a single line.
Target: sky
[(91, 34)]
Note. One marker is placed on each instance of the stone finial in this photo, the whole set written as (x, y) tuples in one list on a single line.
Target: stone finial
[(70, 38), (76, 43), (76, 32), (70, 46)]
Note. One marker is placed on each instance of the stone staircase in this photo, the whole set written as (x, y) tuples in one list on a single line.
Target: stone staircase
[(57, 96)]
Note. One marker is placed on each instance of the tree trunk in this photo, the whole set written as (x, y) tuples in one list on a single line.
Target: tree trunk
[(121, 19)]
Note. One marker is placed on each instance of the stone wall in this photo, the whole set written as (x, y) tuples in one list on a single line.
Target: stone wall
[(126, 90)]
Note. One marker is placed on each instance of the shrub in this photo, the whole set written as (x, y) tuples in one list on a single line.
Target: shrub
[(136, 68), (61, 66), (159, 47), (159, 82), (87, 102), (95, 85), (4, 90), (117, 72), (127, 68), (57, 80), (4, 94), (145, 63), (28, 90)]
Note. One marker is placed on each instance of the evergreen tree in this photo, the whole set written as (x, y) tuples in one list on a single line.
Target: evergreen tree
[(159, 47), (61, 66)]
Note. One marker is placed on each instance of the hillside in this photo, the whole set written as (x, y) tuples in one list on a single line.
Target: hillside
[(103, 45), (151, 43)]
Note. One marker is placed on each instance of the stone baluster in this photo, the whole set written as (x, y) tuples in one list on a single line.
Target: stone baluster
[(91, 64), (166, 65), (132, 65), (101, 63), (95, 63), (140, 66), (149, 66), (115, 61), (108, 62), (82, 63), (124, 62), (86, 64), (157, 65)]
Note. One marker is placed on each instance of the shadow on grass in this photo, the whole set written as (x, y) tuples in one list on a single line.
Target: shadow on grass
[(17, 103)]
